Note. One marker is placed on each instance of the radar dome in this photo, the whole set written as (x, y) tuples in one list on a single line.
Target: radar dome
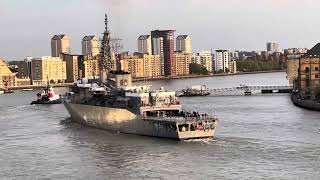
[(84, 81)]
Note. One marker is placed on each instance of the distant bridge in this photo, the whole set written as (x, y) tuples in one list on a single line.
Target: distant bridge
[(247, 90)]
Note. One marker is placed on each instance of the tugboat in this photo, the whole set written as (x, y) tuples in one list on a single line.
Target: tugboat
[(47, 96)]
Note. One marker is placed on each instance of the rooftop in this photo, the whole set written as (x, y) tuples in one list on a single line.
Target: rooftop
[(91, 37), (182, 36), (221, 50), (4, 69), (144, 37), (69, 54), (314, 52), (162, 32), (59, 36)]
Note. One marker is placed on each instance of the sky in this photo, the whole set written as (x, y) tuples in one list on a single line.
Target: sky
[(27, 26)]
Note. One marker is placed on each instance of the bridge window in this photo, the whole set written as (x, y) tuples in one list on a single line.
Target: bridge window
[(193, 127), (307, 69)]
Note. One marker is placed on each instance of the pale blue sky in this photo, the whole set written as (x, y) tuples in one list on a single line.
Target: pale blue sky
[(27, 25)]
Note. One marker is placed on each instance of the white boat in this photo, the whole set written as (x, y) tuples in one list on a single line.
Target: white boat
[(2, 90), (27, 89), (6, 91)]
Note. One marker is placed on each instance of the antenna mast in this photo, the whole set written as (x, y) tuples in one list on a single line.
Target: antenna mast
[(105, 52)]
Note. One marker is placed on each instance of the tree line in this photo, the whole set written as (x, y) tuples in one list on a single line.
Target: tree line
[(198, 69), (258, 65), (249, 65)]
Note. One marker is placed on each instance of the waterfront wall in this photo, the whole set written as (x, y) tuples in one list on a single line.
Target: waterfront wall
[(201, 76), (39, 86), (310, 104), (144, 79)]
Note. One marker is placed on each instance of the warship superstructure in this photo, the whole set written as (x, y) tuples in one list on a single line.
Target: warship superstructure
[(113, 103)]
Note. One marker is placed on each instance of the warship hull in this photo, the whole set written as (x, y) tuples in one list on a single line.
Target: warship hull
[(124, 121)]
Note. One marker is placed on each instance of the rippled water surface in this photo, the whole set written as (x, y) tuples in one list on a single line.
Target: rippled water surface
[(259, 137)]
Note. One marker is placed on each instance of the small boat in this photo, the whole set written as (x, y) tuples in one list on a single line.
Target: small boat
[(200, 90), (8, 91), (48, 96), (27, 89), (1, 91), (247, 92)]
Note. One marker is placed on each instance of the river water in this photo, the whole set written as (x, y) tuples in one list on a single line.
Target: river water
[(259, 137)]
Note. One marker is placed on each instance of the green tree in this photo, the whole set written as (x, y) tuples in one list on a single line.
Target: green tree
[(220, 71), (252, 65), (197, 69)]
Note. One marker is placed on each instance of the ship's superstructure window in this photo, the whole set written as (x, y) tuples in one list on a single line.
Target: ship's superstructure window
[(193, 127), (183, 127)]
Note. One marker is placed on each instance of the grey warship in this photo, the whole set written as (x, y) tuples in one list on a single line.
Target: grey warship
[(113, 103)]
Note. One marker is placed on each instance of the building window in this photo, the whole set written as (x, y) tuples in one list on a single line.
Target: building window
[(307, 81), (307, 70), (316, 68), (317, 76)]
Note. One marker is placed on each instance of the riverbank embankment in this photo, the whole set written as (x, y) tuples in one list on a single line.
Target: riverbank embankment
[(146, 79), (202, 76), (39, 86)]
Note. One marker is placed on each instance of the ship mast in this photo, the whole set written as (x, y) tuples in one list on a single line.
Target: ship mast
[(105, 52)]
